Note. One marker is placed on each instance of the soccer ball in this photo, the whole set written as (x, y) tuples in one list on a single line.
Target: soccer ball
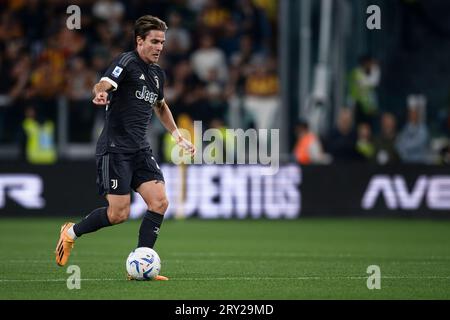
[(143, 264)]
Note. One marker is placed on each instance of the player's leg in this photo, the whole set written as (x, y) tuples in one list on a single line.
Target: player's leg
[(148, 181), (154, 195), (113, 179), (116, 212)]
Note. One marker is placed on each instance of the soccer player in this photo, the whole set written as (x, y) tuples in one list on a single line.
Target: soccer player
[(131, 89)]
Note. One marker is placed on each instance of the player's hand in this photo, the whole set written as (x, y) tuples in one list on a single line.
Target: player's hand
[(101, 99), (186, 145), (183, 143)]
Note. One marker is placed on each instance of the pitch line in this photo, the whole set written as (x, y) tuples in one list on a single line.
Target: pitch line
[(239, 278)]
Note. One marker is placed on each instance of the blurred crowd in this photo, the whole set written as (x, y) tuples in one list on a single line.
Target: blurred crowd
[(218, 54), (220, 59), (364, 132)]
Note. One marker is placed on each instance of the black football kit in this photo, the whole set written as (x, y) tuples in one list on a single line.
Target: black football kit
[(123, 154)]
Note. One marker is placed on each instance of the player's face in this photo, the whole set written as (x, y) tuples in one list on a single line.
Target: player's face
[(150, 48)]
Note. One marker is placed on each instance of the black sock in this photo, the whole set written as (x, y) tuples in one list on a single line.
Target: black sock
[(149, 230), (97, 219)]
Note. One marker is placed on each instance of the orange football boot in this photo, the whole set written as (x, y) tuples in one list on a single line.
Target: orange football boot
[(64, 246)]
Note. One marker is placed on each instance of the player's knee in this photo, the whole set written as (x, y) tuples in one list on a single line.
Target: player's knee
[(160, 205), (119, 214)]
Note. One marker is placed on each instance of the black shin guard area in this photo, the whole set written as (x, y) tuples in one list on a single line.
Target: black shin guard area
[(149, 230), (97, 219)]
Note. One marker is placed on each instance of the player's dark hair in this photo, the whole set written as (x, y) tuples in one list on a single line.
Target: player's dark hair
[(147, 23)]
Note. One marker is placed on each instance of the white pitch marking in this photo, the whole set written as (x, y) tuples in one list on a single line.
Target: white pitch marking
[(238, 278)]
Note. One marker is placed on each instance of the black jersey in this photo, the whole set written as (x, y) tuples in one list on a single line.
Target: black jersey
[(137, 86)]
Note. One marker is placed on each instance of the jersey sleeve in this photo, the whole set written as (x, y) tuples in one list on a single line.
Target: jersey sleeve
[(115, 72)]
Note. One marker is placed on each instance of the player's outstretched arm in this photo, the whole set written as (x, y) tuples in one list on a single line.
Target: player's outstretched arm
[(165, 116), (100, 91)]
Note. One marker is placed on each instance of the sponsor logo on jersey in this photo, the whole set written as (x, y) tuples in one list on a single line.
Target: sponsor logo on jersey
[(146, 95)]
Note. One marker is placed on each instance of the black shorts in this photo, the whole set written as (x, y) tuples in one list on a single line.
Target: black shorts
[(118, 173)]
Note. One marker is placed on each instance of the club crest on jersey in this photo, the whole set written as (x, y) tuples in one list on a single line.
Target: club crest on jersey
[(157, 81), (146, 95)]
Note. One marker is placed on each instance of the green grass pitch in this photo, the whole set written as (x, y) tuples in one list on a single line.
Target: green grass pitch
[(260, 259)]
